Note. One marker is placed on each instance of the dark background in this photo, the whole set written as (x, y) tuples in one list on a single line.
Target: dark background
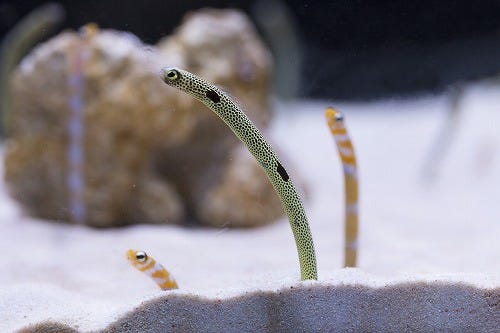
[(351, 49)]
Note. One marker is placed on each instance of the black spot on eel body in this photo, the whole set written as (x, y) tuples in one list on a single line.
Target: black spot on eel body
[(282, 172), (213, 96)]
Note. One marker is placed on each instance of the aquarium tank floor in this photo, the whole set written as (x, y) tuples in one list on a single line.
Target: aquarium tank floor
[(429, 246)]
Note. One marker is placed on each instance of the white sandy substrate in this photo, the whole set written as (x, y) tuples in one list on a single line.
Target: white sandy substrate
[(413, 227)]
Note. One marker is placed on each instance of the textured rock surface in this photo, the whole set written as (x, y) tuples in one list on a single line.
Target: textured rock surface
[(221, 46), (239, 188), (151, 153), (124, 119)]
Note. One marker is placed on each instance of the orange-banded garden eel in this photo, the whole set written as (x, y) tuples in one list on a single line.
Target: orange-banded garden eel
[(345, 148), (149, 266)]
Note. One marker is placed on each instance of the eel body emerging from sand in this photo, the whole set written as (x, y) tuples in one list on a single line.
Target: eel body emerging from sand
[(346, 152), (146, 264), (222, 105)]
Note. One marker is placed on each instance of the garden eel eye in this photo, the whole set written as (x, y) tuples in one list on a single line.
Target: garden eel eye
[(339, 116), (172, 75), (141, 256)]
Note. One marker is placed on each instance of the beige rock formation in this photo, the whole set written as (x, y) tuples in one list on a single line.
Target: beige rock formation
[(124, 119), (151, 153), (240, 198), (223, 47)]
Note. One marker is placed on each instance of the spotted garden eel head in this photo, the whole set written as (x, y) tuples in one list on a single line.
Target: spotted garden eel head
[(192, 84), (176, 78)]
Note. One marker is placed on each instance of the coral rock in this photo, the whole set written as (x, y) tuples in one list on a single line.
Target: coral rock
[(242, 198), (223, 47), (123, 119), (151, 153)]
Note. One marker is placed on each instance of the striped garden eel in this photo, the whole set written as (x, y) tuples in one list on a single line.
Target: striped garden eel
[(345, 148), (153, 269), (222, 105)]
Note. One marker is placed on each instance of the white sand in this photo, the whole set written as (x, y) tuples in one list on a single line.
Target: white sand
[(430, 236)]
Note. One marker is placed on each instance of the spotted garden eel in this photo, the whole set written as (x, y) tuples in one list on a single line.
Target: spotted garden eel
[(222, 105), (345, 148), (146, 264)]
